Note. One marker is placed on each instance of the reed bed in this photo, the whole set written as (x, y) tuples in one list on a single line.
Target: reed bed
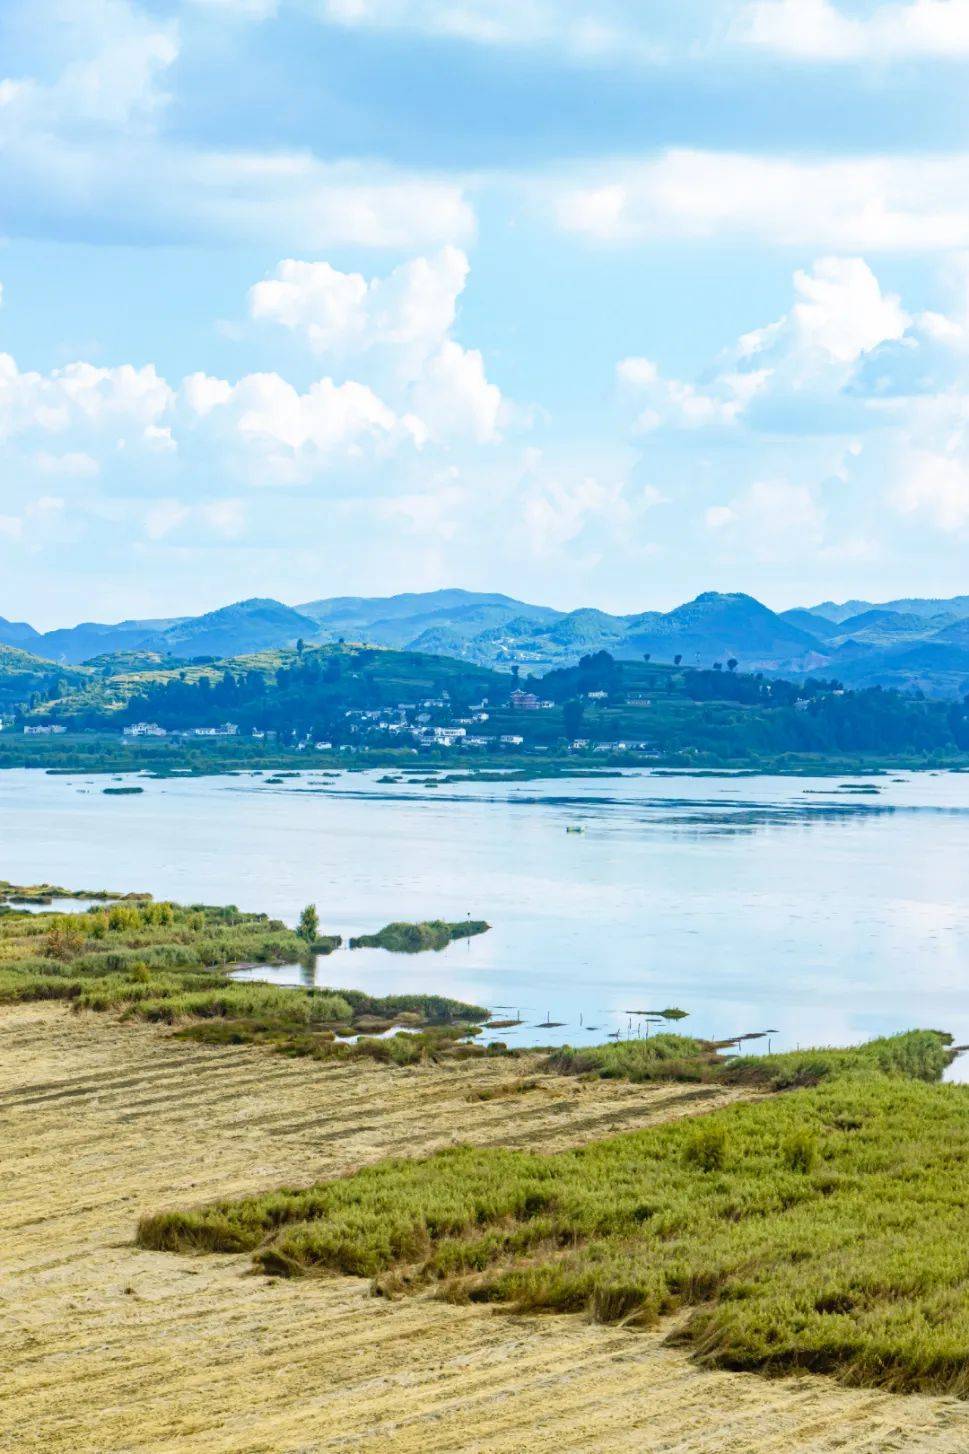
[(167, 963)]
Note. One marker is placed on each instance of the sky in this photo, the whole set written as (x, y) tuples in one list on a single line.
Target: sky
[(594, 302)]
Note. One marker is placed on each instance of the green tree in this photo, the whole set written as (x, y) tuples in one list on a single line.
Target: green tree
[(309, 924), (572, 714)]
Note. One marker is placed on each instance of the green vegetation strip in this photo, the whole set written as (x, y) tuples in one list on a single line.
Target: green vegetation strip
[(167, 963), (821, 1229)]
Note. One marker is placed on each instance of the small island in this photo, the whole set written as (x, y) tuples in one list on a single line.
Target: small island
[(401, 938)]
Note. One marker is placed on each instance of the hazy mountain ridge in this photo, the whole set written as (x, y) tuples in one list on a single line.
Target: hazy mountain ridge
[(924, 646)]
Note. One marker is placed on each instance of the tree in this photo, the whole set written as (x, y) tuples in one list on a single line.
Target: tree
[(718, 666), (309, 924), (647, 655), (300, 646), (677, 658), (572, 714), (515, 672), (732, 664)]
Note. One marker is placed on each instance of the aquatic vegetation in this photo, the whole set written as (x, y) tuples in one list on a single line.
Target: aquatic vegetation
[(166, 963), (819, 1229), (403, 938)]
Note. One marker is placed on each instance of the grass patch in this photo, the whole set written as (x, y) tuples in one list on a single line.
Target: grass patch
[(415, 938), (922, 1054), (822, 1229), (166, 963)]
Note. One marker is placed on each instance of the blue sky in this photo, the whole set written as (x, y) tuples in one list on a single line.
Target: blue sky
[(594, 302)]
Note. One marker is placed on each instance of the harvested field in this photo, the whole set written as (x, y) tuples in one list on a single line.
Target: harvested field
[(110, 1350)]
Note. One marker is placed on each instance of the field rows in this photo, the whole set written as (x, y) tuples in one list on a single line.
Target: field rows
[(110, 1350)]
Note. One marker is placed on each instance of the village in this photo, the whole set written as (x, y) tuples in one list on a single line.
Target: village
[(430, 723)]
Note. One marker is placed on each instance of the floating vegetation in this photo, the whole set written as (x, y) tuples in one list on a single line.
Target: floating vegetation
[(120, 792), (403, 938), (670, 1014)]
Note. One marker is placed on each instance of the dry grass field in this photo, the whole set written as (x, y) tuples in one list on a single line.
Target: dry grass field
[(106, 1349)]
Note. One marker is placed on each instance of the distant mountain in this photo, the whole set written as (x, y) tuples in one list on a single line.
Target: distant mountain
[(19, 634), (935, 668), (76, 644), (722, 626), (255, 625), (397, 620), (810, 622), (954, 606), (862, 643)]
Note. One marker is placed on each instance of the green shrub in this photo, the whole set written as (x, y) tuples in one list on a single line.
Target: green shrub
[(707, 1147), (800, 1150)]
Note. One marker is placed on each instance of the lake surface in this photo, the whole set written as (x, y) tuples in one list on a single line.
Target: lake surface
[(790, 904)]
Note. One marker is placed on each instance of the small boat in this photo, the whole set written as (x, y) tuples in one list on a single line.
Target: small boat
[(575, 830)]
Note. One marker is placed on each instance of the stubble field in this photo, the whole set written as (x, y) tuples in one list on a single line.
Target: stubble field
[(107, 1349)]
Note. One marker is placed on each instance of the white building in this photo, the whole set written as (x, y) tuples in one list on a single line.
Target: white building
[(227, 729), (144, 729), (44, 731)]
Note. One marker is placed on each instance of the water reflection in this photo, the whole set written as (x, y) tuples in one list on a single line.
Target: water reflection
[(827, 914)]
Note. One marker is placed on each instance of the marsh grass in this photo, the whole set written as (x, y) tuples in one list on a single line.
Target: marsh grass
[(821, 1229), (923, 1054), (166, 963)]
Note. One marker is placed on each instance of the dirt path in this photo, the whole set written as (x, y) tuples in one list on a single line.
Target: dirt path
[(105, 1349)]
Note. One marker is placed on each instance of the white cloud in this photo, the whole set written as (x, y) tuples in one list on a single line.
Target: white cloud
[(411, 311), (816, 30), (771, 520), (865, 204), (842, 310), (585, 30), (82, 399), (88, 147), (805, 359), (278, 435), (400, 326), (935, 486), (683, 405), (453, 396)]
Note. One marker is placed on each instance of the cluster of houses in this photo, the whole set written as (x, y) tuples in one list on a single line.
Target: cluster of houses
[(416, 724)]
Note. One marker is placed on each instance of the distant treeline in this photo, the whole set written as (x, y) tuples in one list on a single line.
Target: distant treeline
[(718, 714)]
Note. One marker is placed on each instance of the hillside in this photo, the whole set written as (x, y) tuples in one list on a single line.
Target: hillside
[(378, 698), (495, 631), (24, 676), (286, 691)]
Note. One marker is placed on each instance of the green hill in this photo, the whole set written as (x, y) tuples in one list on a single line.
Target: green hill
[(24, 676)]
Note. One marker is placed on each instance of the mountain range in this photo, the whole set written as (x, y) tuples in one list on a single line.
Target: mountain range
[(908, 643)]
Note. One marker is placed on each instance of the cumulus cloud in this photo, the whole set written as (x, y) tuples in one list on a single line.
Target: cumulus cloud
[(400, 326), (82, 400), (865, 204), (811, 361), (411, 311), (876, 396)]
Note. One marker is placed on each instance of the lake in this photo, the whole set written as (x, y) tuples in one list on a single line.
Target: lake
[(800, 905)]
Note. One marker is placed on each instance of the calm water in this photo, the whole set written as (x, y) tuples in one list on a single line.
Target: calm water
[(754, 903)]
